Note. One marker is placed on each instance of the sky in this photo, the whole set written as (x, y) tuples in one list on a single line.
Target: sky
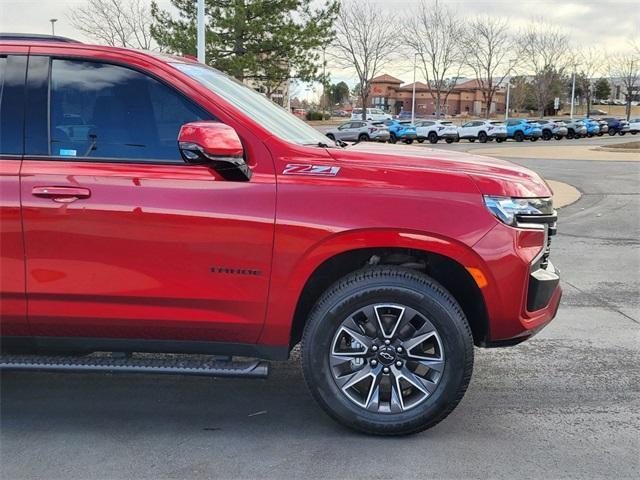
[(605, 24)]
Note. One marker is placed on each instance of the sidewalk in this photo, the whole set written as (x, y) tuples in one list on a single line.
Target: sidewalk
[(559, 152), (563, 193)]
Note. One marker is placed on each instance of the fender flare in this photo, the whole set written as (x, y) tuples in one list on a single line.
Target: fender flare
[(285, 292)]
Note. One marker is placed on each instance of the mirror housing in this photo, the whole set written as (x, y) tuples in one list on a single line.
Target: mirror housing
[(215, 144)]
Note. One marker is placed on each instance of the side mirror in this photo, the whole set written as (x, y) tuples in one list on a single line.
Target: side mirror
[(217, 144)]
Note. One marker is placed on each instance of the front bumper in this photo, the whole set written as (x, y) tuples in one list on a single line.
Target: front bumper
[(448, 135), (522, 292), (407, 136), (380, 136)]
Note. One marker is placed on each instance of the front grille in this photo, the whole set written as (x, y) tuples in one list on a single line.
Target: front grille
[(544, 260), (549, 222)]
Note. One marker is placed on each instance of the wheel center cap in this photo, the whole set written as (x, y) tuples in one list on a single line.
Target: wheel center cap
[(386, 355)]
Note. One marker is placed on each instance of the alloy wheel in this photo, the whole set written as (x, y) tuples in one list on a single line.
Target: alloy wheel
[(387, 358)]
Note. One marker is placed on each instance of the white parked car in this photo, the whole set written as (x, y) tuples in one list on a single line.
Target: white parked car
[(374, 114), (483, 131), (634, 125), (434, 130)]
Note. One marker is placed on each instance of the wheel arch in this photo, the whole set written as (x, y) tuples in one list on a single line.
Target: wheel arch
[(448, 263)]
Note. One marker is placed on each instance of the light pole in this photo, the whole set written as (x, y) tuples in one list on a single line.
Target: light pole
[(53, 28), (506, 106), (324, 81), (200, 33), (573, 92), (413, 97)]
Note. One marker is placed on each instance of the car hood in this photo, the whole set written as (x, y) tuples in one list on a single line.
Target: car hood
[(492, 176)]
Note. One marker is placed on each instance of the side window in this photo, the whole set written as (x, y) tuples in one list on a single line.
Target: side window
[(427, 124), (12, 77), (106, 111)]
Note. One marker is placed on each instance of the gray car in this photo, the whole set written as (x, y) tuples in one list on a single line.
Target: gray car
[(359, 131), (575, 128)]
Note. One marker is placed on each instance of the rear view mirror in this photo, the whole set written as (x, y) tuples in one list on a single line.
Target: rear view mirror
[(217, 144)]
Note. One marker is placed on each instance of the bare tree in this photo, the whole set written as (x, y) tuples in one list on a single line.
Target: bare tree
[(587, 63), (365, 40), (118, 23), (542, 50), (433, 33), (626, 69), (489, 53)]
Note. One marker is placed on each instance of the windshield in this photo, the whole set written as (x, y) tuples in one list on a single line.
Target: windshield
[(256, 106)]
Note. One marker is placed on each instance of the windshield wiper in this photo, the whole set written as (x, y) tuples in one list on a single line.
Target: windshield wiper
[(339, 143)]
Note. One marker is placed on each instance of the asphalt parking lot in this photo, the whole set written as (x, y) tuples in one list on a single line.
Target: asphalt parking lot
[(564, 405)]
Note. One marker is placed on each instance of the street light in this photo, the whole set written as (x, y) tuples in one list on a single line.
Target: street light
[(413, 98), (200, 32), (506, 107), (53, 28)]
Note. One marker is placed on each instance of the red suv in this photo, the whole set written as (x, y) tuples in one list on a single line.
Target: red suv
[(150, 203)]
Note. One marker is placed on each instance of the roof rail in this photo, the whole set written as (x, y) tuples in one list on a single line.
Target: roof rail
[(35, 37)]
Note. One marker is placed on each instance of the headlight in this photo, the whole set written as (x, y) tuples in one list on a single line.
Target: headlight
[(513, 211)]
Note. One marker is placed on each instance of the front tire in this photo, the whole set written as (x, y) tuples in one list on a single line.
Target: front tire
[(393, 138), (387, 351)]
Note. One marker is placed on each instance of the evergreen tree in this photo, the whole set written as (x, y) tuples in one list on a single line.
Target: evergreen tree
[(265, 40), (602, 89), (339, 93)]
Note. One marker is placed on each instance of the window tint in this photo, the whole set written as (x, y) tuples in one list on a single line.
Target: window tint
[(468, 124), (108, 111), (12, 76), (427, 124)]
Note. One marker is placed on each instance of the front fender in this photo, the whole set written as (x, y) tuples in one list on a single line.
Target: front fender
[(287, 286)]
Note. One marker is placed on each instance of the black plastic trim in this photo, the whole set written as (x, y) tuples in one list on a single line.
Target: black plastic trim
[(155, 366), (35, 37)]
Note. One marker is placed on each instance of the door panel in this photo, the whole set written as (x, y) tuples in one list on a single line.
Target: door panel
[(13, 304), (155, 251), (122, 238)]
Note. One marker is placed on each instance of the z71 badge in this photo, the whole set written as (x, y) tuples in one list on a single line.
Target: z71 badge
[(318, 170)]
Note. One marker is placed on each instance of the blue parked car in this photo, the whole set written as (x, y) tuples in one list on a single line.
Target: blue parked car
[(520, 129), (593, 126), (401, 131), (621, 127)]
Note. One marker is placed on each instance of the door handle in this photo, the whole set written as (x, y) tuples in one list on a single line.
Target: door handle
[(61, 194)]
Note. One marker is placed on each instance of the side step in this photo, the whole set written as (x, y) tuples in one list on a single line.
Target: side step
[(170, 366)]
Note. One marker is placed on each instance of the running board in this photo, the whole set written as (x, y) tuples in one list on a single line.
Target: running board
[(210, 368)]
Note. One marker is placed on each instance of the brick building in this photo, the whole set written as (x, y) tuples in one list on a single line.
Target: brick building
[(466, 98)]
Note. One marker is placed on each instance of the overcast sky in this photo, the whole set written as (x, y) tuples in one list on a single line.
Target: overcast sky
[(606, 24)]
